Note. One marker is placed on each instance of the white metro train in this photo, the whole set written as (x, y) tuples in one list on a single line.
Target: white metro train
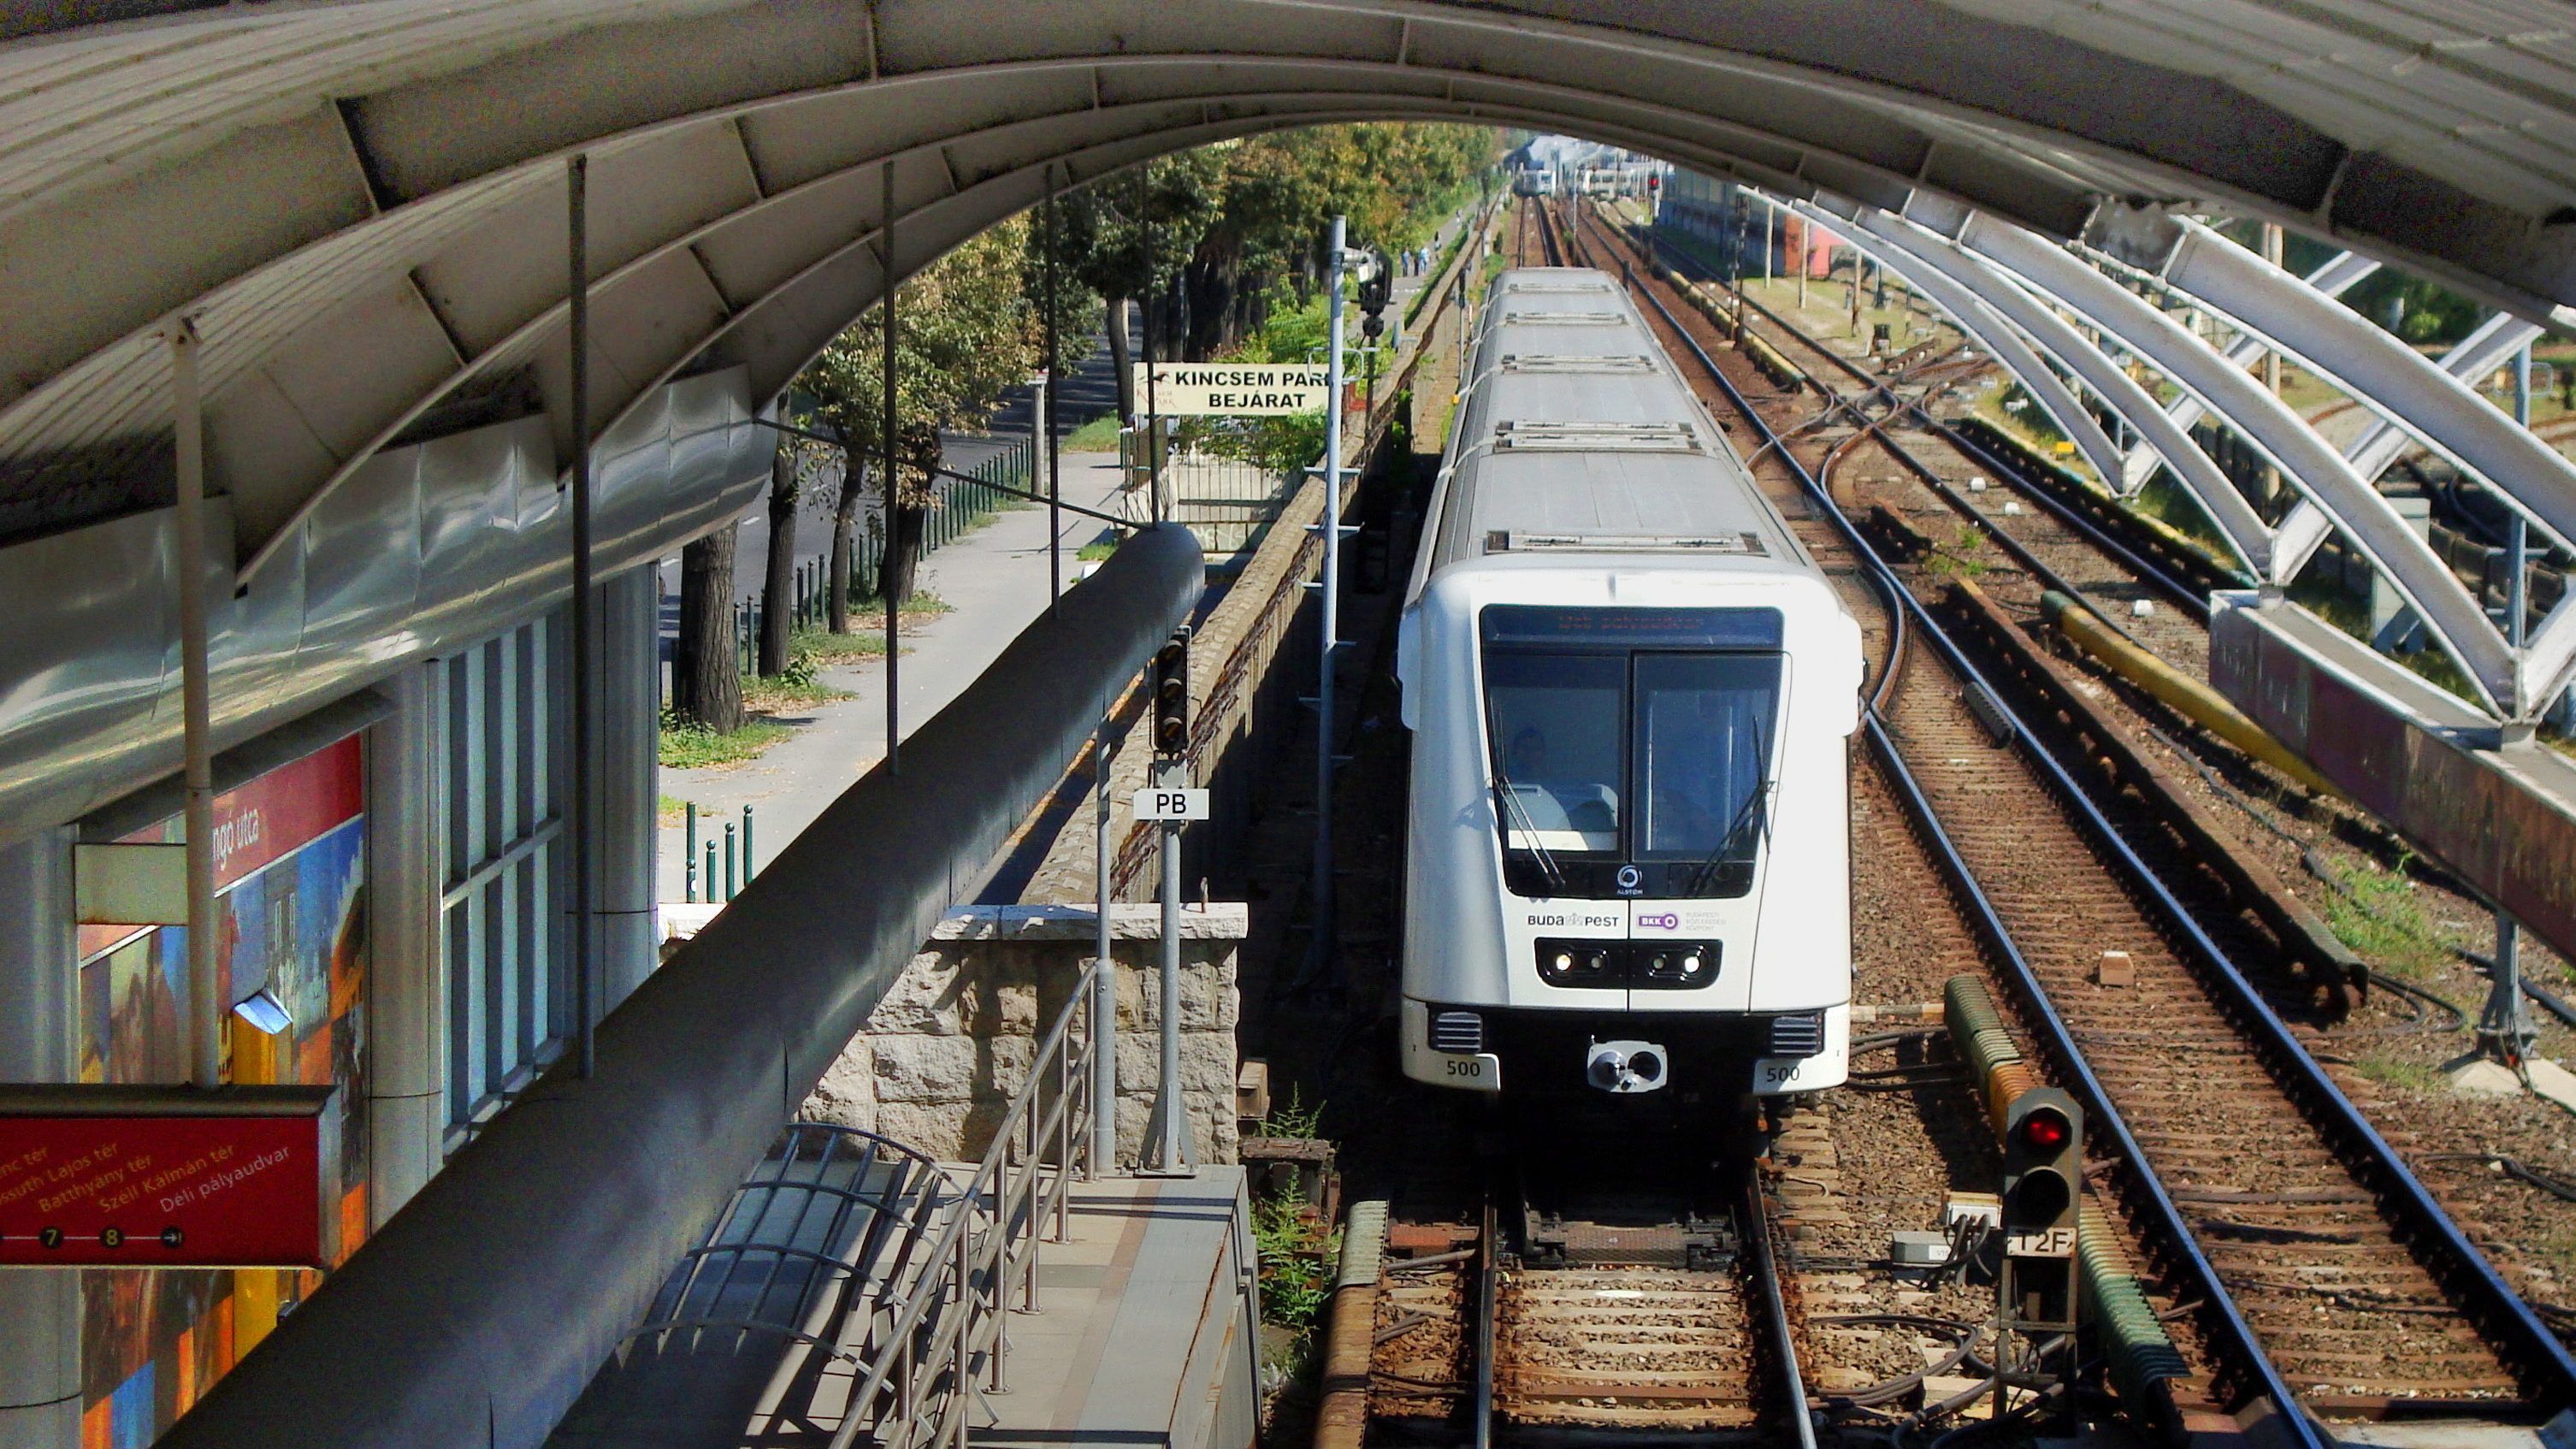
[(1630, 691)]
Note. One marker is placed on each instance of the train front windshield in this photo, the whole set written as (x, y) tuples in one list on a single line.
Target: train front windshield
[(1631, 748)]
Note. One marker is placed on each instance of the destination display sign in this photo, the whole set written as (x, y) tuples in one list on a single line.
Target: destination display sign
[(1235, 389), (165, 1177)]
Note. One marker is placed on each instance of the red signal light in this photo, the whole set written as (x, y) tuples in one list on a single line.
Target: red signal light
[(2045, 1131)]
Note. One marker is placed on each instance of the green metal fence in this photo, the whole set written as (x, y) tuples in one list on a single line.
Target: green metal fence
[(962, 503)]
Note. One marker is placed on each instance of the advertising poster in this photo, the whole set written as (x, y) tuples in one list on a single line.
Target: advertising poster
[(290, 869)]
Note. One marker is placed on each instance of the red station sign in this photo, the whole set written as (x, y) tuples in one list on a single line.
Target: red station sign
[(164, 1177)]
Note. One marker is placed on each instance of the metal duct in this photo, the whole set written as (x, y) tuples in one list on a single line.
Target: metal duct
[(477, 1315)]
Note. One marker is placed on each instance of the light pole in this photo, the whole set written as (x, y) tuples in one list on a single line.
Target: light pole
[(1364, 267)]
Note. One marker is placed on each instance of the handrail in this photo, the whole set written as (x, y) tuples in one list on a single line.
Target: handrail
[(918, 1366)]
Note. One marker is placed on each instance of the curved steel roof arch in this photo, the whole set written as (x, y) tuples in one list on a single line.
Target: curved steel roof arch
[(280, 155)]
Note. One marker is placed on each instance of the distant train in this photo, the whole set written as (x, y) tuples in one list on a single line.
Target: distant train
[(1534, 181), (1631, 692)]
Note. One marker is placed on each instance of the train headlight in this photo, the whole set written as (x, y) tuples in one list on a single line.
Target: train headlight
[(1578, 963)]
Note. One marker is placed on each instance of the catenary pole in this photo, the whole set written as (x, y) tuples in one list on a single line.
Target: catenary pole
[(2507, 1024), (893, 606), (584, 847), (1104, 984), (1046, 406), (1331, 598), (1153, 415)]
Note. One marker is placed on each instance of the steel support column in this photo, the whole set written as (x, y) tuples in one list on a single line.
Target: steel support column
[(2377, 446)]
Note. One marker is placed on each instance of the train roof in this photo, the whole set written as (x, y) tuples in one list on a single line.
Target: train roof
[(1579, 437)]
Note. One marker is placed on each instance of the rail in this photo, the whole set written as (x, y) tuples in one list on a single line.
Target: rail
[(2512, 1319)]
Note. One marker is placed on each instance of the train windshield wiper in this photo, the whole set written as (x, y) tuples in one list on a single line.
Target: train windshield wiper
[(1508, 796), (1748, 816)]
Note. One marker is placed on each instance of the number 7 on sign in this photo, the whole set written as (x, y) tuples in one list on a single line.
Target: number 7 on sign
[(1173, 803)]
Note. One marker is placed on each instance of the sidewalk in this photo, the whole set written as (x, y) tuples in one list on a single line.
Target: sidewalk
[(995, 583)]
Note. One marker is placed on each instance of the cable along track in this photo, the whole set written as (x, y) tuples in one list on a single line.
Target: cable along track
[(2340, 1282)]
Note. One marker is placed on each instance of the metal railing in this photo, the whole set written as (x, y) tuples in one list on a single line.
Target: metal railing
[(925, 1355), (897, 1275), (961, 504), (1227, 499)]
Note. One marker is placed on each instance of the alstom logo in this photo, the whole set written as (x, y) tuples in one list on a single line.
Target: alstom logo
[(1664, 921)]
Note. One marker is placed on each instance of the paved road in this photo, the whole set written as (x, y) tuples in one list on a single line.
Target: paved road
[(995, 583)]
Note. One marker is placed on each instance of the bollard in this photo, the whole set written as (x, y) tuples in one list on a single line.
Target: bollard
[(730, 860), (710, 876), (689, 856), (747, 866)]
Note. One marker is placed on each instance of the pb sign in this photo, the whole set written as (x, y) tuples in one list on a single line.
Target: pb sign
[(165, 1177), (1171, 804)]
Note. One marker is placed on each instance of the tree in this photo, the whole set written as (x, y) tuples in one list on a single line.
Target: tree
[(706, 672), (796, 464), (964, 335)]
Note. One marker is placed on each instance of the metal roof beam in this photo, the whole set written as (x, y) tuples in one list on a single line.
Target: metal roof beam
[(2333, 279), (2347, 500), (2031, 307)]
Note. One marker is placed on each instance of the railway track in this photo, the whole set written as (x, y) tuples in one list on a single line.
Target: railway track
[(2326, 1274), (1571, 1316)]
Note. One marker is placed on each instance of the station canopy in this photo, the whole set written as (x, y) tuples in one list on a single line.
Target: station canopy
[(361, 203)]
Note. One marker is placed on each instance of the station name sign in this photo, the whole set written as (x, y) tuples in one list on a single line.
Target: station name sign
[(1235, 389), (165, 1177)]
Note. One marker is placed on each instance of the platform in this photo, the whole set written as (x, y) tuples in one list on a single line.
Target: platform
[(1144, 1335)]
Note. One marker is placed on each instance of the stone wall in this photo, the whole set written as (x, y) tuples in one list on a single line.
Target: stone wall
[(950, 1045)]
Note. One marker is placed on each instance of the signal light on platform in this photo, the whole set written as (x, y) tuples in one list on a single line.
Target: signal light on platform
[(1169, 680), (2043, 1187), (2043, 1168), (2045, 1130)]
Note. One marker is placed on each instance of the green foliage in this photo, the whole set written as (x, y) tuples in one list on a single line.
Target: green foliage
[(2375, 912), (1963, 557), (965, 334), (687, 745), (1296, 1254), (1294, 1119)]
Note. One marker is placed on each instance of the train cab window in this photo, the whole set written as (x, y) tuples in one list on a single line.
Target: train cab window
[(1557, 721), (1702, 758), (1631, 748)]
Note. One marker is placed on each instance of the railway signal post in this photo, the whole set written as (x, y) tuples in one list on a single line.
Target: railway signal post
[(2043, 1191), (1170, 801)]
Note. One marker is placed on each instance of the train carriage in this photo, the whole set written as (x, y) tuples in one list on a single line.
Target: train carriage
[(1631, 693)]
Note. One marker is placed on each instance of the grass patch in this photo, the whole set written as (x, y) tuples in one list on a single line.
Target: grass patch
[(1100, 435), (919, 606), (2385, 1066), (1963, 557), (1094, 552), (2376, 913), (690, 746), (671, 810), (797, 689)]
